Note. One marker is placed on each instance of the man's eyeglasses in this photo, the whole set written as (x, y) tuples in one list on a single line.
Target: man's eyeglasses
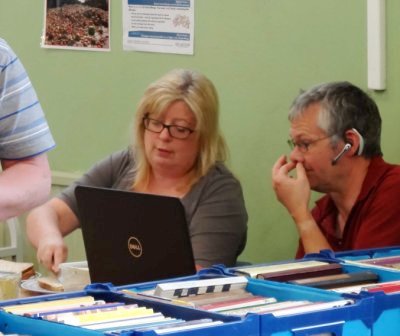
[(303, 146), (175, 131)]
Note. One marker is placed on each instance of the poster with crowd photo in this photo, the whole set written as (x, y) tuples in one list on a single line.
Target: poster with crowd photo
[(77, 24)]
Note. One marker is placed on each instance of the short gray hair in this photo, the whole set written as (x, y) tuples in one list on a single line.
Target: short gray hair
[(343, 106)]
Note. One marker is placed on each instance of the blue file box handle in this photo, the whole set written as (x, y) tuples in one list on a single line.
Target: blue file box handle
[(335, 328)]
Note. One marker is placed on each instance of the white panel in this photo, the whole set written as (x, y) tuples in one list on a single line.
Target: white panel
[(376, 31)]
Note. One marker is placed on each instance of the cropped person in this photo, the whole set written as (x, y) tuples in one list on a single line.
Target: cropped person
[(25, 180), (335, 138), (178, 151)]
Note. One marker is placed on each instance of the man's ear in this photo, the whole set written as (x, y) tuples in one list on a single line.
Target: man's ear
[(355, 139)]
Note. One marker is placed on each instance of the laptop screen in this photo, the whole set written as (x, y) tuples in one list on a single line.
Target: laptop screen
[(133, 237)]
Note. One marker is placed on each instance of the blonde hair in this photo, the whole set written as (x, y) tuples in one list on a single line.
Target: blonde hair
[(200, 95)]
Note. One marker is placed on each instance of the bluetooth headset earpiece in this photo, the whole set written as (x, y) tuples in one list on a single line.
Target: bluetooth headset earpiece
[(347, 147)]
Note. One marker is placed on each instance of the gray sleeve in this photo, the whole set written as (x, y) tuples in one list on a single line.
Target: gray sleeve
[(106, 173), (217, 218)]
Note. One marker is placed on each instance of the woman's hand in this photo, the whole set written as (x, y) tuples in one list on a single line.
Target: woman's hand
[(51, 252)]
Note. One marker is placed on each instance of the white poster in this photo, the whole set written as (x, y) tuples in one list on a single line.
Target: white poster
[(165, 26)]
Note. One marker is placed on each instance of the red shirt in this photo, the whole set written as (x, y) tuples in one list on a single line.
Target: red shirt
[(374, 220)]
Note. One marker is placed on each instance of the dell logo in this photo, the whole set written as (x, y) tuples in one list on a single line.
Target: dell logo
[(135, 247)]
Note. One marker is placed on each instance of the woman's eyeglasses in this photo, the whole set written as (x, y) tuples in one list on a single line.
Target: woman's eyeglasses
[(175, 131)]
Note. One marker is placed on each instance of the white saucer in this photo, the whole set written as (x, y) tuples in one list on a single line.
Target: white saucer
[(32, 285)]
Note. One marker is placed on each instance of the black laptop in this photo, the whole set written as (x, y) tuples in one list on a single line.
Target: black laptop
[(133, 237)]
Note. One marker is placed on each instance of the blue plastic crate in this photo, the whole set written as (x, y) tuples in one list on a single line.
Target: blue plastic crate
[(355, 255), (390, 251), (349, 320), (386, 306), (232, 325), (355, 319)]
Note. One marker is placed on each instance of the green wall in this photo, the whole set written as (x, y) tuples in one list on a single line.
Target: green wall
[(259, 53)]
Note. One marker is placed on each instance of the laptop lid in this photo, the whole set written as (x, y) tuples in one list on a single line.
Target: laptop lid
[(133, 237)]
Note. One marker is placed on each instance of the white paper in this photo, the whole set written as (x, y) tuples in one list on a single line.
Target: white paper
[(165, 26)]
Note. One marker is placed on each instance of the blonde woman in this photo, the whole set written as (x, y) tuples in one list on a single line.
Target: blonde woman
[(178, 150)]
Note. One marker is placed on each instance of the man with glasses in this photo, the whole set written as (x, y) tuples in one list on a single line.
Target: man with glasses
[(335, 133)]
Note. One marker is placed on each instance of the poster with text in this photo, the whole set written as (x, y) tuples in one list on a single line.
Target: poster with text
[(165, 26), (77, 24)]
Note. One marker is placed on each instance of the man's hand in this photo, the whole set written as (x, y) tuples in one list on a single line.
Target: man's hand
[(293, 191)]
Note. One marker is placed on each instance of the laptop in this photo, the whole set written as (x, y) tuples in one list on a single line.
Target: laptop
[(133, 237)]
